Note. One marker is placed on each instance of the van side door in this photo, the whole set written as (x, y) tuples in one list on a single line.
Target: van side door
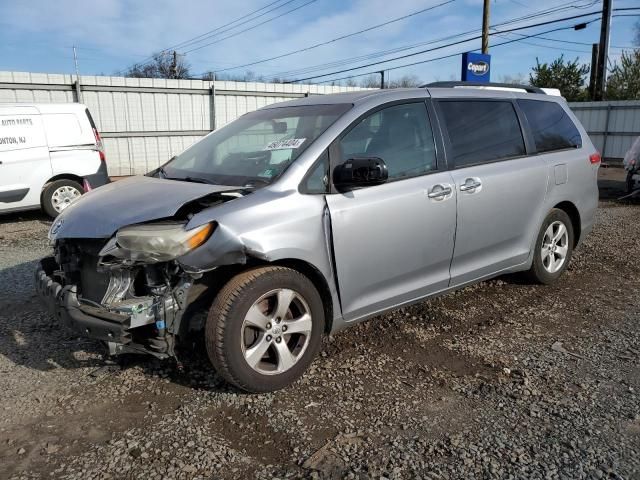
[(501, 187), (24, 158), (392, 243)]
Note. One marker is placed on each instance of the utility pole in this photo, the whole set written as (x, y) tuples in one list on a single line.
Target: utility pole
[(174, 65), (485, 27), (382, 79), (595, 48), (75, 61), (605, 28)]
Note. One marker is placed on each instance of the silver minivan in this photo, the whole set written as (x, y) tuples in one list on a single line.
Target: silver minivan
[(304, 217)]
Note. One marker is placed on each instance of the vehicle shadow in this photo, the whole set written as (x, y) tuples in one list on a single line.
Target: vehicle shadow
[(26, 216), (611, 183), (31, 337)]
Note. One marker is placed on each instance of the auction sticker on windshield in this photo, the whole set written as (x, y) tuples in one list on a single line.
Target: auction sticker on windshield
[(285, 144)]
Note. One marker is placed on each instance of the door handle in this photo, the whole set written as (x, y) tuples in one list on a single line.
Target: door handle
[(470, 184), (439, 192)]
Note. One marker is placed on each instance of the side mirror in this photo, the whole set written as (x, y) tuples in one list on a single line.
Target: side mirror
[(360, 172)]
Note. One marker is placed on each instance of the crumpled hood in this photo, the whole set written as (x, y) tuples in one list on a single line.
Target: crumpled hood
[(101, 212)]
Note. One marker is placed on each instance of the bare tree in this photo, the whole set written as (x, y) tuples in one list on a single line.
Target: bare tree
[(248, 76), (518, 78), (163, 65), (372, 81), (406, 81)]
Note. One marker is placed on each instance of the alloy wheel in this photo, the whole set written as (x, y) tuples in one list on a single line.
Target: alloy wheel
[(276, 331), (555, 246)]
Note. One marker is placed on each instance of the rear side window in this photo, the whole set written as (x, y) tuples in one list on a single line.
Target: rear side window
[(482, 131), (551, 126)]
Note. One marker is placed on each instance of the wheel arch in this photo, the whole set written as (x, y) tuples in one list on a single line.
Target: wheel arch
[(63, 176), (219, 277), (574, 214)]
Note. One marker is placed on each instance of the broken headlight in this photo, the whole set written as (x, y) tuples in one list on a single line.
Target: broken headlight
[(161, 242)]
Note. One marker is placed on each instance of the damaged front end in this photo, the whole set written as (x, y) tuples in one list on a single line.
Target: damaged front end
[(132, 306), (128, 288)]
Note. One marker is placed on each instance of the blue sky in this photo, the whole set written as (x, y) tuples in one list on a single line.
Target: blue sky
[(37, 35)]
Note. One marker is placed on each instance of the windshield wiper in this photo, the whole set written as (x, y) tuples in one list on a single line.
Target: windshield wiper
[(195, 180), (184, 179)]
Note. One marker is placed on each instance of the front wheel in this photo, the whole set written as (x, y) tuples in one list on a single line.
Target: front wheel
[(264, 328), (553, 248)]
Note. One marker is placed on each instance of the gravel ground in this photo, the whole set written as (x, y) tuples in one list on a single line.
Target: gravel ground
[(499, 380)]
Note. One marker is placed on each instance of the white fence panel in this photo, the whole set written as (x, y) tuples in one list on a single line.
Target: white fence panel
[(144, 121), (612, 125)]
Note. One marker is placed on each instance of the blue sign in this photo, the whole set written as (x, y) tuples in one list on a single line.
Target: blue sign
[(476, 67)]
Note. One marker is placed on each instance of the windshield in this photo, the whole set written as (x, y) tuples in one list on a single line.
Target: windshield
[(256, 148)]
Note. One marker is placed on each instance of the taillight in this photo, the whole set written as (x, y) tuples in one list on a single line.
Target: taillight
[(595, 158), (96, 134)]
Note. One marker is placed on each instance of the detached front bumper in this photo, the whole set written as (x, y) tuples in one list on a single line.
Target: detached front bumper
[(62, 302)]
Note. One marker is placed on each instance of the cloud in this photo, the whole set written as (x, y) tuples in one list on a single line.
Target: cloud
[(113, 34)]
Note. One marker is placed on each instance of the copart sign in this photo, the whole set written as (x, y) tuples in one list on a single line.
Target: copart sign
[(476, 67)]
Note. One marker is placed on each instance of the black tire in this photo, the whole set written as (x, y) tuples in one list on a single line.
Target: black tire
[(48, 191), (629, 183), (223, 331), (538, 273)]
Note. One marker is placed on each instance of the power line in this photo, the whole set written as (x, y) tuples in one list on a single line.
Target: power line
[(311, 47), (552, 47), (252, 27), (576, 43), (217, 30), (450, 55), (409, 47), (548, 22), (540, 13)]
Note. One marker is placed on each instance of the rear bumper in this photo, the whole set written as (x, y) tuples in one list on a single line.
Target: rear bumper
[(62, 302), (100, 178)]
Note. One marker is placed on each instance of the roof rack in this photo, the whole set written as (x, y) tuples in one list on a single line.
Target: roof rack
[(453, 84)]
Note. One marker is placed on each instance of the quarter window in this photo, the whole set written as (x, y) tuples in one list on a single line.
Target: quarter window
[(551, 126), (400, 135), (318, 179), (482, 131)]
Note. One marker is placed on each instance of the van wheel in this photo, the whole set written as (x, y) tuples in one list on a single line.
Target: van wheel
[(553, 249), (264, 328), (58, 195)]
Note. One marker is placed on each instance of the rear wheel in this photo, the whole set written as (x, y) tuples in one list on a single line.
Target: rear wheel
[(264, 328), (553, 249), (59, 194)]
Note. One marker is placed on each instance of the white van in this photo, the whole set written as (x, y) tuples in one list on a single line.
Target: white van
[(50, 154)]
